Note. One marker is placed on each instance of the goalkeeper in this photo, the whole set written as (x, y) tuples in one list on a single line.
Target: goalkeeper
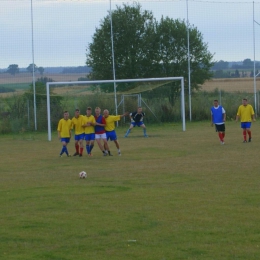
[(137, 120)]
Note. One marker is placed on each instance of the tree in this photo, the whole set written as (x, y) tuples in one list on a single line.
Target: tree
[(41, 70), (30, 68), (41, 100), (220, 65), (247, 63), (144, 48), (13, 69)]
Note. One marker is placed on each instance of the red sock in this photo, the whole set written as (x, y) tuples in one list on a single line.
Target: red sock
[(81, 150), (244, 134), (249, 133), (220, 136), (223, 134), (77, 148)]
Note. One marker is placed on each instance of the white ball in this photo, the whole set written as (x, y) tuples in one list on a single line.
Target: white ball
[(83, 175)]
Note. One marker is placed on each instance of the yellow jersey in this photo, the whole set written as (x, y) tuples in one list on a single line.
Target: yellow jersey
[(245, 113), (110, 122), (89, 119), (77, 125), (64, 128)]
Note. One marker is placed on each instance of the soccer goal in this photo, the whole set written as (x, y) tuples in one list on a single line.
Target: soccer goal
[(153, 83)]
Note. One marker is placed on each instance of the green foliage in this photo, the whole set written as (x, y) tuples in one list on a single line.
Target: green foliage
[(32, 67), (41, 70), (44, 80), (6, 90), (41, 101), (13, 69), (146, 48)]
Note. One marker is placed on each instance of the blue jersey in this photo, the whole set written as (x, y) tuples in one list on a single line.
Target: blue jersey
[(217, 114), (100, 129)]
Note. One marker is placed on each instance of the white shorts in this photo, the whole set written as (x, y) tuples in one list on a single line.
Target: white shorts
[(101, 136)]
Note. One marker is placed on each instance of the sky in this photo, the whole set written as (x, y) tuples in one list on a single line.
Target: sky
[(62, 29)]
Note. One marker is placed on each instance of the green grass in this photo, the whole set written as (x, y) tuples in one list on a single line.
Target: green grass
[(174, 195), (17, 86)]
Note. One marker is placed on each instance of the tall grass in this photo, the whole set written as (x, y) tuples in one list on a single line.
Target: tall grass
[(158, 110)]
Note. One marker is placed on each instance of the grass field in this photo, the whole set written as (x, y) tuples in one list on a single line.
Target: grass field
[(174, 195)]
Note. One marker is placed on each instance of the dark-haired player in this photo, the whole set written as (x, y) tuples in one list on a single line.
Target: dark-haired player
[(218, 117)]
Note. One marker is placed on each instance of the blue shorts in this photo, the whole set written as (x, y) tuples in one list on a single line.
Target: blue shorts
[(90, 137), (79, 137), (111, 135), (66, 140), (245, 125), (137, 123)]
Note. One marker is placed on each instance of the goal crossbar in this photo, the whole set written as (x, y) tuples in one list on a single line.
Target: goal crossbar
[(48, 84)]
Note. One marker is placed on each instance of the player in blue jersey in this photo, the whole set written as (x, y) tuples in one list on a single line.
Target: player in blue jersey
[(218, 118), (137, 120), (100, 132)]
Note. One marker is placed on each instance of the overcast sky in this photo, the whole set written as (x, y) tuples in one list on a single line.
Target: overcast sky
[(63, 28)]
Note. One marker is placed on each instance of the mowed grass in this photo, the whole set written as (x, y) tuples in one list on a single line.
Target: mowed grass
[(174, 195)]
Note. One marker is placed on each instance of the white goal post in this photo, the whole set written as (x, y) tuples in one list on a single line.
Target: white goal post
[(114, 81)]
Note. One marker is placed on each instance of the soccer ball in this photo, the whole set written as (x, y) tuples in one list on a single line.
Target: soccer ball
[(82, 175)]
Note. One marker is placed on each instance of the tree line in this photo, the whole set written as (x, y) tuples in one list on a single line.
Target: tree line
[(14, 69)]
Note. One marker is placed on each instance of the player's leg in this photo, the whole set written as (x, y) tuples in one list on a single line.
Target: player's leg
[(243, 126), (129, 129), (92, 140), (113, 137), (81, 145), (223, 132), (104, 138), (220, 130), (248, 130), (98, 139), (88, 146), (76, 145), (144, 129), (118, 147), (64, 149)]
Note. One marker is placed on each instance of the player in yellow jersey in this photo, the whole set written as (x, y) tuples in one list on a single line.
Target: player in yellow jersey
[(247, 115), (64, 132), (110, 127), (89, 123), (79, 132)]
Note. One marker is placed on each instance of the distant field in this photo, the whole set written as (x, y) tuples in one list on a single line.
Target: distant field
[(22, 81), (232, 85), (6, 78)]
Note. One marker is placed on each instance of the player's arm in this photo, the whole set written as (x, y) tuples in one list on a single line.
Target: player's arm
[(238, 114), (103, 122), (125, 114), (71, 127), (224, 117), (59, 130), (131, 117), (253, 117), (93, 122)]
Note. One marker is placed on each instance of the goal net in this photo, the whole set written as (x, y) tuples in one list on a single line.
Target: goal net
[(162, 98)]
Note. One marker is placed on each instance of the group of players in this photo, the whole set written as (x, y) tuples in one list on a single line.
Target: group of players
[(98, 127), (245, 113)]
